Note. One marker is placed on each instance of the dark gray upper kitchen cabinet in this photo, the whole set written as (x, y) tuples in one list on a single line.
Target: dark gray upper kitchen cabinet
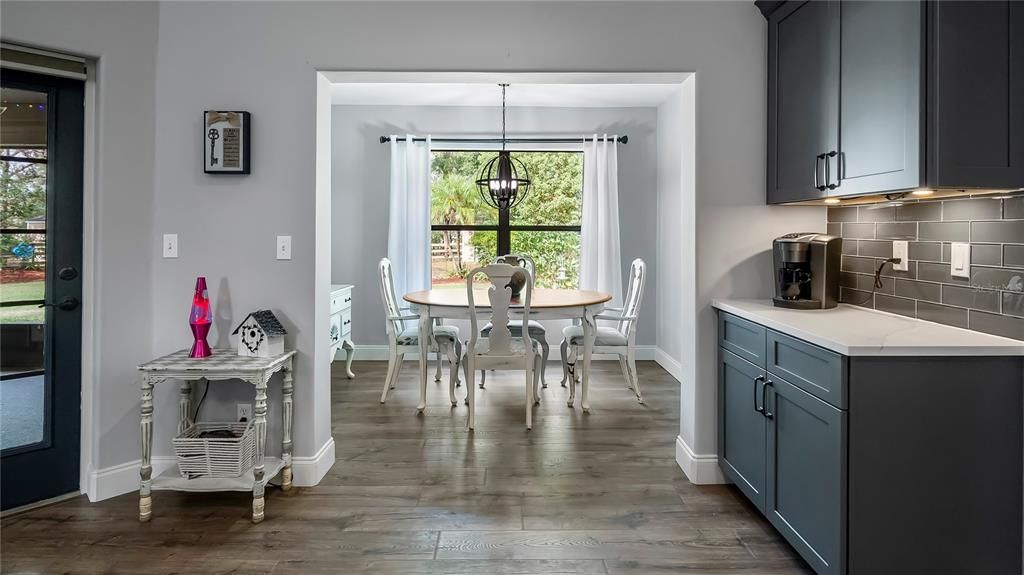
[(880, 118), (742, 427), (806, 484), (803, 98), (976, 94), (876, 97)]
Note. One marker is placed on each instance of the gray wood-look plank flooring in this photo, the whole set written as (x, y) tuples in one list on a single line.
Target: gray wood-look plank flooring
[(594, 494)]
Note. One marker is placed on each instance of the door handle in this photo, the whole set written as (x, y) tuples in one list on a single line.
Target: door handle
[(66, 303), (756, 408), (764, 399), (828, 170)]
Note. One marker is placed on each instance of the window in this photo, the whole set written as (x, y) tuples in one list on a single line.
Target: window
[(545, 226)]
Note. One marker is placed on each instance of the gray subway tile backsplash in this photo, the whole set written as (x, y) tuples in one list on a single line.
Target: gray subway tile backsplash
[(896, 231), (969, 210), (944, 231), (1006, 232), (991, 300)]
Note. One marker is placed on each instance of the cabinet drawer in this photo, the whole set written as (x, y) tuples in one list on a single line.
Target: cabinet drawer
[(744, 338), (817, 371), (346, 322), (341, 299)]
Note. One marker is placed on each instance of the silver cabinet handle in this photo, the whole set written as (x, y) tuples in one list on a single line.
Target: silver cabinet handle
[(764, 399)]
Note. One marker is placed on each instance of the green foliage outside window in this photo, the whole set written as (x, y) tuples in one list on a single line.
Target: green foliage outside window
[(555, 198)]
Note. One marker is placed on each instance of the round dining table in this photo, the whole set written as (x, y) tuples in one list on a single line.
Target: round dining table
[(544, 304)]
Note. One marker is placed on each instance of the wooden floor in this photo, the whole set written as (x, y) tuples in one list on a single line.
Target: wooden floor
[(588, 494)]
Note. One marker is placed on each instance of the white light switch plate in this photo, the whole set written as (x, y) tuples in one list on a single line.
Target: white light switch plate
[(901, 250), (960, 260), (284, 247), (170, 245)]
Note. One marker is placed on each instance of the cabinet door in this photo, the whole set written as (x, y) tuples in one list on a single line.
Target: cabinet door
[(806, 483), (741, 426), (976, 94), (803, 98), (881, 140)]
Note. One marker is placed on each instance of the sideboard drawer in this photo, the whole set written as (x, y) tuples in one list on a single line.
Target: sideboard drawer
[(341, 299), (744, 338), (346, 322), (818, 371)]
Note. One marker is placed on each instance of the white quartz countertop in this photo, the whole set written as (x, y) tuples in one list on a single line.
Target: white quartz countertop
[(856, 331)]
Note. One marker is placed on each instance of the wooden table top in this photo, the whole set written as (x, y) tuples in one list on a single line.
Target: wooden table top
[(541, 299)]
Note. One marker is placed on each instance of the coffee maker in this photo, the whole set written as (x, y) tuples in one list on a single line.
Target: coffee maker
[(807, 270)]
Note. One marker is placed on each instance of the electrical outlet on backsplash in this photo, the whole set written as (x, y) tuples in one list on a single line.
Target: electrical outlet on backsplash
[(990, 300)]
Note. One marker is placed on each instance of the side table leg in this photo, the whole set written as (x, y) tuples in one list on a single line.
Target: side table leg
[(184, 406), (287, 390), (350, 351), (146, 471), (424, 341), (260, 423), (589, 335)]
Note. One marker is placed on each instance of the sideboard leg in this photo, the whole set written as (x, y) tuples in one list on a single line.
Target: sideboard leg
[(146, 471), (350, 351)]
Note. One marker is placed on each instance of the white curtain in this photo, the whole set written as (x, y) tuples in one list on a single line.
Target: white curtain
[(600, 257), (409, 214)]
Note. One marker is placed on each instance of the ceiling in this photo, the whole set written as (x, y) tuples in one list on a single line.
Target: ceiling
[(591, 92)]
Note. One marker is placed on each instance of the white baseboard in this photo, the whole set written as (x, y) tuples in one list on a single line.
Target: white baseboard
[(124, 478), (308, 471), (699, 469), (380, 353), (673, 367)]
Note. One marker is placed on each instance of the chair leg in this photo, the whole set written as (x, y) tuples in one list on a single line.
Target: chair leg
[(458, 360), (470, 396), (529, 394), (625, 372), (394, 368), (468, 376), (571, 362), (564, 349), (544, 361), (538, 378), (453, 373), (483, 378), (631, 361), (437, 372)]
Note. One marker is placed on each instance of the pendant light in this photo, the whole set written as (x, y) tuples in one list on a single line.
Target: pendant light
[(504, 181)]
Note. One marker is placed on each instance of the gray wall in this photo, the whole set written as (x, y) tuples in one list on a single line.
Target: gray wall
[(262, 57), (360, 192), (991, 300)]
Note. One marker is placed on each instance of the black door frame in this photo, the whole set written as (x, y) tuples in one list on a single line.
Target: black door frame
[(51, 468)]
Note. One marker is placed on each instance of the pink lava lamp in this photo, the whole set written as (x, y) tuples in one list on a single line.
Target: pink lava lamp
[(200, 319)]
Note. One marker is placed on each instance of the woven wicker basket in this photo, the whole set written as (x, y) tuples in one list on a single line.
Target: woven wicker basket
[(214, 456)]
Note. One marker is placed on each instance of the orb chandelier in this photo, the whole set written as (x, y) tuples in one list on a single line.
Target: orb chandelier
[(504, 181)]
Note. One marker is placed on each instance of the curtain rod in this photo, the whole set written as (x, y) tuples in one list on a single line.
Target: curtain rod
[(619, 140)]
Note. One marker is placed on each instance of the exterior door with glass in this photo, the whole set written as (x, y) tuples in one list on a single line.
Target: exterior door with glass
[(41, 146)]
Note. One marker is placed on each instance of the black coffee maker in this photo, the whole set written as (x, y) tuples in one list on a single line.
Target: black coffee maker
[(807, 270)]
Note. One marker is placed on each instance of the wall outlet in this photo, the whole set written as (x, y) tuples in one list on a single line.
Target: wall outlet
[(170, 245), (244, 411), (900, 249), (284, 247)]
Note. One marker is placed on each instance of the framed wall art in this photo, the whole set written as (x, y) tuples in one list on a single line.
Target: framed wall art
[(226, 142)]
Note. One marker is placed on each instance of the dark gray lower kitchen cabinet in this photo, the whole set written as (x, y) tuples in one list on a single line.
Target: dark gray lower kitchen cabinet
[(803, 98), (806, 492), (741, 427), (876, 464)]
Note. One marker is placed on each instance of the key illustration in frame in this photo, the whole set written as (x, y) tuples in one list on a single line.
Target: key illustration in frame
[(226, 142)]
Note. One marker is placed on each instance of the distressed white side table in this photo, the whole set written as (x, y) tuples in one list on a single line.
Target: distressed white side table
[(223, 365)]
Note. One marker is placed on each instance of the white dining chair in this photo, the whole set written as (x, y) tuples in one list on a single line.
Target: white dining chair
[(619, 339), (500, 349), (404, 337), (536, 329)]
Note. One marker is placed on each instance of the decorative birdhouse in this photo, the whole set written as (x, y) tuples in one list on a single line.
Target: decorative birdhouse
[(260, 335)]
